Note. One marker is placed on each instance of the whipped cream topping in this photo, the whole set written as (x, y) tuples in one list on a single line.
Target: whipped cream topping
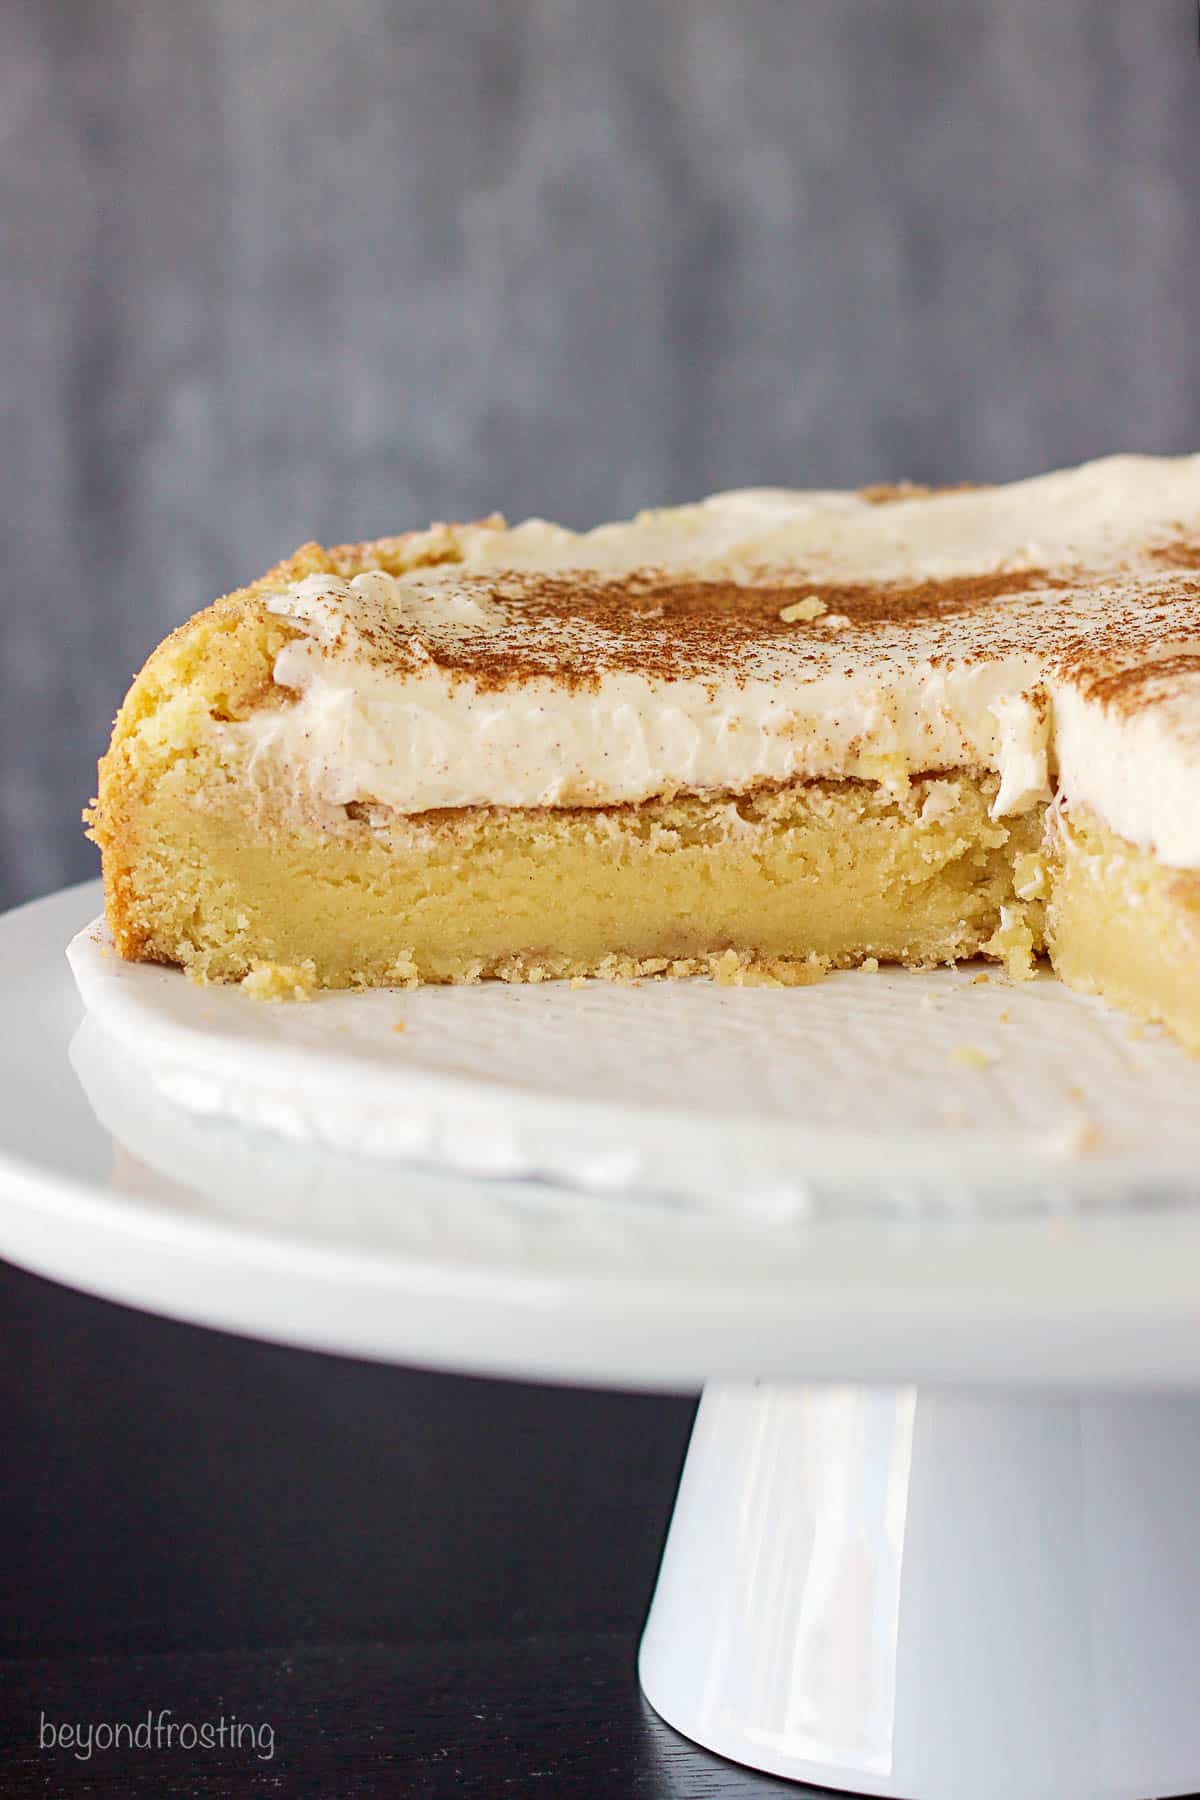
[(1137, 770), (544, 667), (420, 741)]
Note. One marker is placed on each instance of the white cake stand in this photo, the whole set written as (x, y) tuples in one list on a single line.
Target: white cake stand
[(935, 1537)]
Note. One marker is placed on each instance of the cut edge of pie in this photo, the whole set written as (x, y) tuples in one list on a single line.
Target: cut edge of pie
[(222, 855)]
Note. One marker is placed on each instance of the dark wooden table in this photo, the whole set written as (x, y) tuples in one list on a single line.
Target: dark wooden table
[(390, 1582)]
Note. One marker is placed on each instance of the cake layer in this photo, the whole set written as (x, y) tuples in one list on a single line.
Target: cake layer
[(1121, 925), (779, 885), (782, 883)]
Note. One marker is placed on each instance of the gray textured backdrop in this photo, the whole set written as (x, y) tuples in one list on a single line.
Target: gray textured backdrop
[(278, 269)]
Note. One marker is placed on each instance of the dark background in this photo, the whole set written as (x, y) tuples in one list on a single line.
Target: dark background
[(281, 269), (427, 1586)]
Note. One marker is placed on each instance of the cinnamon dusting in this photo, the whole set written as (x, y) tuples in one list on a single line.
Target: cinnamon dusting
[(579, 626), (1125, 689), (1183, 553), (1139, 652)]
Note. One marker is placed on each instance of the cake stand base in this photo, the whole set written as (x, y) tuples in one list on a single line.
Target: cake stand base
[(910, 1592)]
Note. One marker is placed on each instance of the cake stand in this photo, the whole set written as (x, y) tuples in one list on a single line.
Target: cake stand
[(935, 1536)]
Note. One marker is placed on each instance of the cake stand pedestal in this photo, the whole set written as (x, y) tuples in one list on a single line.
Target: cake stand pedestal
[(936, 1535), (919, 1593)]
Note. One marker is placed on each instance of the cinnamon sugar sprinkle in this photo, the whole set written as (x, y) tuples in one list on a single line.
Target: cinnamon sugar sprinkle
[(578, 627), (1136, 656), (1183, 553), (1090, 576)]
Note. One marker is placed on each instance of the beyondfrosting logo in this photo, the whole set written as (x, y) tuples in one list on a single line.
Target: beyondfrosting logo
[(157, 1731)]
